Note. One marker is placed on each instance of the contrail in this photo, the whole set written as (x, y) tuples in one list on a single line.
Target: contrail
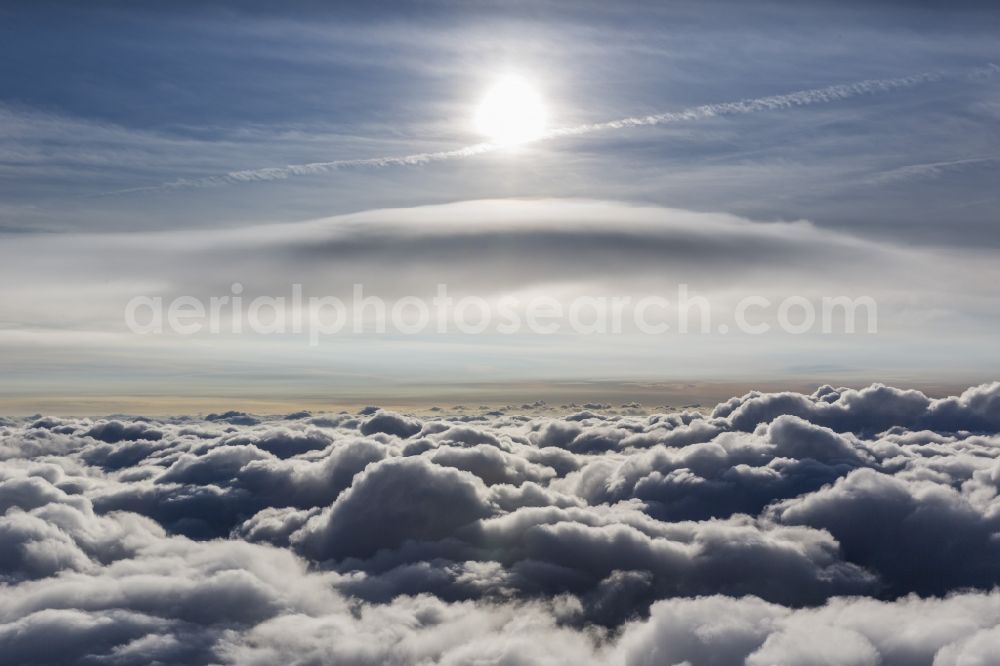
[(774, 102), (929, 169)]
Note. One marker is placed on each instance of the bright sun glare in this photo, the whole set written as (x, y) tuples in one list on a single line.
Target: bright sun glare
[(512, 112)]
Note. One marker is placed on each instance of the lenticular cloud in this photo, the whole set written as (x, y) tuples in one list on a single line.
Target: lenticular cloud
[(843, 527)]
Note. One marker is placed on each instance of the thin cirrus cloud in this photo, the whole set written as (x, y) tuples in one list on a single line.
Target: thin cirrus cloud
[(931, 170), (810, 97)]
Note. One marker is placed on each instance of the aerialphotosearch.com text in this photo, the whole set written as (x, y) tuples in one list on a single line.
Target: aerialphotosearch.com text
[(317, 317)]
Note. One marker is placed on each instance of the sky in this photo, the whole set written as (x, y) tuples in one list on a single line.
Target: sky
[(774, 150), (536, 333)]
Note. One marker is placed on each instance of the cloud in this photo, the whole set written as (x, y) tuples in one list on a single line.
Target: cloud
[(57, 288), (115, 431), (394, 501), (391, 424), (911, 531), (853, 526), (810, 97), (870, 410), (486, 248), (930, 170)]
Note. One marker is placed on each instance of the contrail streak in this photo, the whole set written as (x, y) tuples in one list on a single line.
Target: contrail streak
[(929, 169), (774, 102)]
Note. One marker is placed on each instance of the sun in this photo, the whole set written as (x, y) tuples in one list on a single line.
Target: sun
[(511, 112)]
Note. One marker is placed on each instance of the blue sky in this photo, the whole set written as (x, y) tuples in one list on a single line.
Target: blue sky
[(111, 97)]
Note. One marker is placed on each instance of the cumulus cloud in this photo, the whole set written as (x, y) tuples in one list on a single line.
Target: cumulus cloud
[(847, 526)]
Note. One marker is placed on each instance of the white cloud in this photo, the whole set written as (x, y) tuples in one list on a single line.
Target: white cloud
[(819, 531)]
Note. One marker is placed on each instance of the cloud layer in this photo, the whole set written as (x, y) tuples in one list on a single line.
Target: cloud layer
[(846, 526), (66, 292)]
